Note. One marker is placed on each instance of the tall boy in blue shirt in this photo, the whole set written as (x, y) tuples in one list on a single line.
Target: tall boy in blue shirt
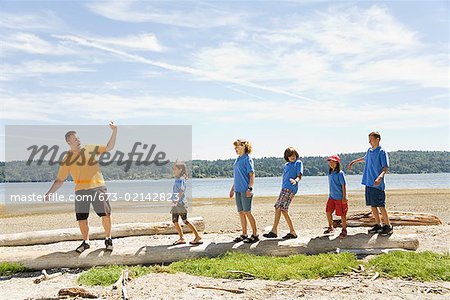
[(377, 164)]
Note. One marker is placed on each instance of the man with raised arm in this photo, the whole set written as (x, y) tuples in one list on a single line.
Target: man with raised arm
[(82, 165)]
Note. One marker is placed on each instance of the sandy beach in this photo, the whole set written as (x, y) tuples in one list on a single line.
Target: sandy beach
[(220, 213), (222, 223)]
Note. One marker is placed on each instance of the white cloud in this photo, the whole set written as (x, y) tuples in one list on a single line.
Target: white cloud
[(33, 44), (197, 73), (143, 41), (194, 15), (36, 68), (423, 71), (54, 107), (43, 20), (336, 51)]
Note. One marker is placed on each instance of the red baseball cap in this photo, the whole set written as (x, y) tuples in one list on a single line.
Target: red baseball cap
[(334, 158)]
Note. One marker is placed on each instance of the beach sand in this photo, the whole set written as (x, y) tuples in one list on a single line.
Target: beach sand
[(220, 213), (222, 223)]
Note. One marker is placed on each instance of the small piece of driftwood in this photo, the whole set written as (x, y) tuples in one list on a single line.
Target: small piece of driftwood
[(77, 292), (235, 291), (45, 276)]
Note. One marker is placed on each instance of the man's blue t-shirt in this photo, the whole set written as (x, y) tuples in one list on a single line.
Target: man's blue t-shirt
[(242, 167), (179, 187), (291, 170), (336, 180), (375, 160)]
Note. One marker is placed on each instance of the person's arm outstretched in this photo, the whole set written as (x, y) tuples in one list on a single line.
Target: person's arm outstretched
[(55, 186), (112, 139), (358, 160)]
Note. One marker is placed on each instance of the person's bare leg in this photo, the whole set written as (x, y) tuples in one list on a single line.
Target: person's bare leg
[(330, 219), (344, 222), (179, 230), (252, 221), (276, 221), (106, 222), (384, 214), (84, 229), (243, 222), (194, 231), (376, 215), (289, 221)]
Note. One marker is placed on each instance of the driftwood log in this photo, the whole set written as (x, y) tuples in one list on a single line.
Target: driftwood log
[(45, 259), (73, 234), (396, 218)]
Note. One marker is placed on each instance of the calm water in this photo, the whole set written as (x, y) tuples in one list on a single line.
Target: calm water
[(219, 187)]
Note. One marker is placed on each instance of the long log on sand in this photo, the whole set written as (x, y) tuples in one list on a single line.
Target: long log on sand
[(73, 234), (39, 259), (396, 218)]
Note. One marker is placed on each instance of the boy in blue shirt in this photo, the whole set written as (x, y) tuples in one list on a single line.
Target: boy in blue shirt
[(377, 164)]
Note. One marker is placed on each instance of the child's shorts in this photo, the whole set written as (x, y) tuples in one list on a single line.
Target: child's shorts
[(336, 205), (243, 202), (284, 199), (178, 211), (375, 197)]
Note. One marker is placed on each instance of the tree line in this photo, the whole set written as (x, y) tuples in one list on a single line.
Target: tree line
[(401, 162)]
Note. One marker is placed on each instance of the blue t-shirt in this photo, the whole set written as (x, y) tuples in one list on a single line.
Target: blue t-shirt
[(179, 187), (336, 180), (375, 161), (291, 170), (243, 166)]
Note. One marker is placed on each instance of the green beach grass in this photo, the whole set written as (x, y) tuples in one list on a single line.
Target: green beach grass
[(423, 266), (108, 275), (7, 268)]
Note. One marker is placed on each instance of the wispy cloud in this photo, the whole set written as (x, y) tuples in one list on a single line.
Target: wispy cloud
[(187, 14), (200, 74), (143, 42), (332, 51), (94, 107), (33, 44), (36, 68), (43, 20)]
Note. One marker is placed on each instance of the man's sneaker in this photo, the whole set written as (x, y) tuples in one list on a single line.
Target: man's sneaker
[(83, 247), (387, 230), (376, 229), (108, 244)]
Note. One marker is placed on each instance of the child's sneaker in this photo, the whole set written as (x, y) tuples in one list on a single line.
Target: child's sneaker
[(108, 244), (82, 247), (329, 230), (375, 229), (387, 230), (343, 234)]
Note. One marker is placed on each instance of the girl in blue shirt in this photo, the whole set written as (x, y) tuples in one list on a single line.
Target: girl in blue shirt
[(179, 204), (337, 200), (292, 174), (242, 189)]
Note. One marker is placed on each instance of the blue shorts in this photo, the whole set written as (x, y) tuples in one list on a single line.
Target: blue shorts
[(375, 197), (243, 202)]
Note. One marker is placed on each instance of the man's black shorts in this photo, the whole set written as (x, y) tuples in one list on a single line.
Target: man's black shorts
[(97, 197)]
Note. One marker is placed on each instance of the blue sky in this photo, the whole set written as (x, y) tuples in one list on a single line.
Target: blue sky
[(315, 75)]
